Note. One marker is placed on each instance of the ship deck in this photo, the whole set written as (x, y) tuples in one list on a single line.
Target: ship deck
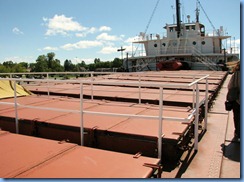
[(122, 92), (123, 134), (53, 159)]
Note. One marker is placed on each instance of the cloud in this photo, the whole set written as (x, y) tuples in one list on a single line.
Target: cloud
[(81, 45), (80, 34), (48, 48), (132, 39), (106, 37), (60, 24), (104, 28), (91, 30), (17, 31), (108, 50), (18, 59)]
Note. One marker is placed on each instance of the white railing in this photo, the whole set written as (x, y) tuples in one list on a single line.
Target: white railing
[(195, 110)]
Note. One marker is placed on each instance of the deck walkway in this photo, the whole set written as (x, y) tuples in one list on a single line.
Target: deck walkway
[(218, 156)]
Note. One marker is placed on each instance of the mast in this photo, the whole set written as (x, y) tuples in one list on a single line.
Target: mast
[(197, 14), (178, 17)]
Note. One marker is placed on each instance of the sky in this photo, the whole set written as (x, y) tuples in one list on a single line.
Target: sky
[(87, 29)]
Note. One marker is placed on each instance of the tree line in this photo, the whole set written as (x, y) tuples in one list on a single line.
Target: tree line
[(48, 63)]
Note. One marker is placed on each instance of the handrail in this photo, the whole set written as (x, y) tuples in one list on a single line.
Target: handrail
[(139, 84), (91, 73), (142, 84), (103, 113)]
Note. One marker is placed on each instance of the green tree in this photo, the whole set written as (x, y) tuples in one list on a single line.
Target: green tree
[(24, 65), (50, 59), (8, 64), (3, 69), (18, 68), (117, 63), (32, 66), (97, 60), (56, 66), (91, 67), (41, 64), (47, 64), (68, 65)]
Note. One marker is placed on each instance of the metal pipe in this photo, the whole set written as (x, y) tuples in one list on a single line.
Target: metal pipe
[(16, 109), (193, 93), (160, 124), (48, 85), (206, 106), (139, 89), (196, 119), (92, 86), (81, 116)]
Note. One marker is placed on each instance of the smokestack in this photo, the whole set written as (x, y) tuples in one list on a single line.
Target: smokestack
[(178, 17)]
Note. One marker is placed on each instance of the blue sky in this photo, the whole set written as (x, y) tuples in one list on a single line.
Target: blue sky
[(88, 29)]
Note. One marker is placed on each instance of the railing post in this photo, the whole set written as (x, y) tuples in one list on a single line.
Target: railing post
[(48, 85), (16, 108), (160, 124), (139, 89), (81, 116), (92, 86), (206, 106), (194, 96), (196, 119)]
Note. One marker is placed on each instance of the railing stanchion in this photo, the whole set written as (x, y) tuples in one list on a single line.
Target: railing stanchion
[(16, 108), (196, 119), (206, 106), (48, 85), (81, 116), (92, 79), (160, 124), (193, 93), (139, 89)]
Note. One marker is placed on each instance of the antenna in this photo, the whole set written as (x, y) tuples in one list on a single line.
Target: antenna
[(197, 13), (173, 14), (207, 16), (149, 22)]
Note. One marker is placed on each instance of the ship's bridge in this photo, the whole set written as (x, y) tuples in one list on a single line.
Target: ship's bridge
[(187, 30)]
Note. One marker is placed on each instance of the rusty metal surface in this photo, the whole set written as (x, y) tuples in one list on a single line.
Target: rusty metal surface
[(124, 93), (100, 122), (149, 128), (28, 157), (85, 162), (20, 153), (168, 77), (64, 125), (121, 126)]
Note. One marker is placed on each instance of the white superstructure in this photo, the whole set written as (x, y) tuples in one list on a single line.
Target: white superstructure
[(187, 43)]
